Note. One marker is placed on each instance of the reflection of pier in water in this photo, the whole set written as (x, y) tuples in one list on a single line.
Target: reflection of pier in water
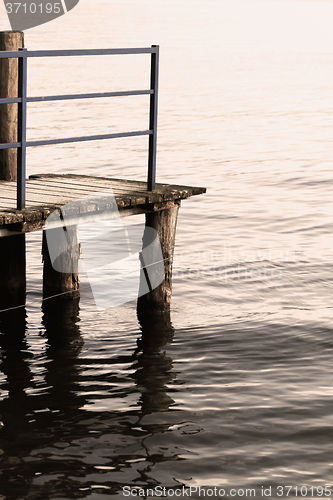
[(153, 367), (49, 442), (52, 441)]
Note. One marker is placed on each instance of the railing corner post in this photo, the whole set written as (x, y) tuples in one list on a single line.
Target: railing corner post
[(22, 129), (153, 118)]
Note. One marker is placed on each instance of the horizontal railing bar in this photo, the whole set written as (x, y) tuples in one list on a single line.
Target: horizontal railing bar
[(75, 52), (87, 138), (10, 54), (89, 52), (88, 96), (23, 54), (64, 97), (10, 100), (10, 145), (49, 142)]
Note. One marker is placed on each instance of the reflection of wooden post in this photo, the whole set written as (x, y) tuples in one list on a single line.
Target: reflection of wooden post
[(66, 285), (164, 222), (64, 344), (61, 318), (153, 369), (9, 41)]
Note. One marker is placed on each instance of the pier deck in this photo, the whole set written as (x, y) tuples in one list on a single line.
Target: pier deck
[(49, 192), (25, 205)]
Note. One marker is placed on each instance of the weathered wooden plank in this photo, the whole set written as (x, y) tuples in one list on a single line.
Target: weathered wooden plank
[(97, 181), (81, 186), (79, 190), (88, 179), (6, 200), (46, 193), (127, 186), (92, 187)]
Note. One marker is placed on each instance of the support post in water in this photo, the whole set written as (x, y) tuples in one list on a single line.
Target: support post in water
[(159, 299), (9, 68), (12, 271), (55, 283), (12, 248)]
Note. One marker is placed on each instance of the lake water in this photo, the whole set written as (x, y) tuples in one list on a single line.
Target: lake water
[(234, 390)]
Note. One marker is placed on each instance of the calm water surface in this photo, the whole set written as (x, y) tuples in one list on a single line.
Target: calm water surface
[(234, 388)]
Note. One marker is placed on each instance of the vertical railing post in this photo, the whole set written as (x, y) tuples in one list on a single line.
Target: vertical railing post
[(22, 129), (153, 119)]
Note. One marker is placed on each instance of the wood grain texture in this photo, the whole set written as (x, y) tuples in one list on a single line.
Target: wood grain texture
[(47, 193), (64, 285), (159, 299), (9, 41)]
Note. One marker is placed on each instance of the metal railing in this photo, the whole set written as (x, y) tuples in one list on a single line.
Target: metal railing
[(22, 144)]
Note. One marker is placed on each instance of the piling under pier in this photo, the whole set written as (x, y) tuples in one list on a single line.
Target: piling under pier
[(48, 194)]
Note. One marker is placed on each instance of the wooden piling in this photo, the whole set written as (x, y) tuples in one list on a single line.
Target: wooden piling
[(159, 299), (12, 271), (9, 41), (50, 192), (55, 283), (12, 249)]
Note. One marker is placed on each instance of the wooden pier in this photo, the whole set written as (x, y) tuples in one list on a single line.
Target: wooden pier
[(26, 204), (48, 193)]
